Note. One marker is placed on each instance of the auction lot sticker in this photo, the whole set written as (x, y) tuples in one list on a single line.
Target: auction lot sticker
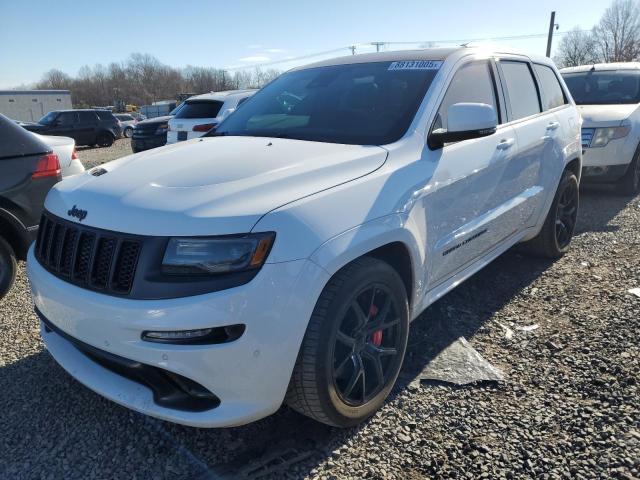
[(416, 65)]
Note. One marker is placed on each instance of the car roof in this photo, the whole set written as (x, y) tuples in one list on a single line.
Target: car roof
[(224, 95), (601, 67), (436, 54)]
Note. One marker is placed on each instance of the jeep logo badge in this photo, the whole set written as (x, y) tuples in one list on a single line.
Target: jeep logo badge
[(76, 212)]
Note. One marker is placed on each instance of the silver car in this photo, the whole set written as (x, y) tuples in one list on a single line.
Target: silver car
[(127, 123)]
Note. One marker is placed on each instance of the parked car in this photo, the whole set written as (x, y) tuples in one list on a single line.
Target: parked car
[(28, 169), (608, 98), (127, 123), (86, 127), (283, 257), (199, 114), (138, 116), (150, 133), (65, 149)]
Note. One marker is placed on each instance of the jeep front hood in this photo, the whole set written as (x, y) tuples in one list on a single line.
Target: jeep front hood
[(209, 186)]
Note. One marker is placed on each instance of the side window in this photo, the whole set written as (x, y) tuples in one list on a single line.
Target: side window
[(523, 94), (472, 83), (66, 119), (552, 94), (87, 117)]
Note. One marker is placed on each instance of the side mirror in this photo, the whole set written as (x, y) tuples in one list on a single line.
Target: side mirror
[(464, 122), (227, 112)]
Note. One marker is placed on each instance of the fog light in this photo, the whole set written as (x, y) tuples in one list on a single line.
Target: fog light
[(201, 336)]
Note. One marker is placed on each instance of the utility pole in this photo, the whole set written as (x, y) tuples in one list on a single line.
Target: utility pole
[(353, 49), (552, 23), (377, 45)]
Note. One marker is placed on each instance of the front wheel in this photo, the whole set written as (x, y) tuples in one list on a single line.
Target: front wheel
[(555, 237), (354, 346), (128, 132), (630, 183), (8, 267)]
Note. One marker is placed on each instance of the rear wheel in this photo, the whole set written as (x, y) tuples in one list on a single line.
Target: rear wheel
[(354, 345), (555, 237), (8, 267), (104, 139), (630, 183)]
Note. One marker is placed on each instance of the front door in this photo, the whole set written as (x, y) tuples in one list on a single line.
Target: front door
[(467, 204)]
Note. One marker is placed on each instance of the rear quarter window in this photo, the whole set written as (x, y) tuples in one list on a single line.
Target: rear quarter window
[(552, 94), (521, 88), (199, 109)]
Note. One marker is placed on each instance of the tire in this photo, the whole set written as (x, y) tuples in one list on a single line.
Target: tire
[(554, 239), (128, 132), (104, 139), (339, 351), (8, 267), (630, 183)]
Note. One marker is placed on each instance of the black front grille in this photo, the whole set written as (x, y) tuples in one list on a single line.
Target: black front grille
[(88, 257)]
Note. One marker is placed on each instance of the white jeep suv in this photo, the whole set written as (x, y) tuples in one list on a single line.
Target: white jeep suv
[(283, 257), (200, 113), (608, 98)]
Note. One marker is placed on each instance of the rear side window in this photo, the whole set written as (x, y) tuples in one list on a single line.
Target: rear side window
[(552, 93), (105, 115), (472, 83), (523, 95), (87, 117), (200, 109)]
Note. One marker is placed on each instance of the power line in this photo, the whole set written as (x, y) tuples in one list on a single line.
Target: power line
[(351, 48)]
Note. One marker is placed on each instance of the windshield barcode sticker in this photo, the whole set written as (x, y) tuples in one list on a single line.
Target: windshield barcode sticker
[(416, 65)]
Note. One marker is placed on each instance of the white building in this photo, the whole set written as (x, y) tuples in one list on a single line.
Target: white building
[(31, 105)]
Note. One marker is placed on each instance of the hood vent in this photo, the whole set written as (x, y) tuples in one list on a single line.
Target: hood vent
[(96, 172)]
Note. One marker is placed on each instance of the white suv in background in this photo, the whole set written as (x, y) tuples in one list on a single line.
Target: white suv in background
[(200, 113), (283, 257), (608, 98)]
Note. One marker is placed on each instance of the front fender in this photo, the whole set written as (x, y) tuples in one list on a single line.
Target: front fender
[(358, 241)]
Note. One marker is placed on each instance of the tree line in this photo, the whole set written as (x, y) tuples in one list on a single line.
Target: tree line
[(615, 38), (142, 79)]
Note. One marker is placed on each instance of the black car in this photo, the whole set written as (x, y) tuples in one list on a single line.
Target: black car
[(28, 169), (86, 127), (150, 133)]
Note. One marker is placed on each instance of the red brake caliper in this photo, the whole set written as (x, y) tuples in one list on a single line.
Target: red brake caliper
[(376, 337)]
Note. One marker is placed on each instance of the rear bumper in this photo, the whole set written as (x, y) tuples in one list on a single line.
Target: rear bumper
[(172, 136), (249, 375)]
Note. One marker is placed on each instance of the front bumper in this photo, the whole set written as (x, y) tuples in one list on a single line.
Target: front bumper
[(147, 143), (249, 376)]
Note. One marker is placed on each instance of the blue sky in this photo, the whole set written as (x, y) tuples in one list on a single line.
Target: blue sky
[(38, 35)]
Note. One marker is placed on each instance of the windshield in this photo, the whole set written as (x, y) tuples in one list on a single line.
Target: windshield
[(607, 87), (48, 118), (359, 104)]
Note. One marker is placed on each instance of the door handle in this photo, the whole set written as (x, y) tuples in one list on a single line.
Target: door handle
[(505, 144), (553, 126)]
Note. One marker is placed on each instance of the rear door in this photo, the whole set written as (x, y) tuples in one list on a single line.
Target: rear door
[(193, 119), (86, 128), (467, 207), (539, 152)]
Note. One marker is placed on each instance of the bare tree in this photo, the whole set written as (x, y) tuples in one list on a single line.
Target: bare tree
[(577, 47), (54, 80), (617, 35)]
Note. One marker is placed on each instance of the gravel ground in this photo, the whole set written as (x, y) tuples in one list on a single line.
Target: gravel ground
[(93, 156), (569, 406)]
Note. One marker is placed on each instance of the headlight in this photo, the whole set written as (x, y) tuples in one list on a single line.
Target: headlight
[(216, 255), (603, 136), (162, 129)]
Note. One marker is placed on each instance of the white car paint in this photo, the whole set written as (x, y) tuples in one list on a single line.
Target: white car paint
[(328, 204), (65, 149), (611, 161), (179, 126)]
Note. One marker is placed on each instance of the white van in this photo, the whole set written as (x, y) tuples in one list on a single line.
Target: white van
[(282, 258)]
